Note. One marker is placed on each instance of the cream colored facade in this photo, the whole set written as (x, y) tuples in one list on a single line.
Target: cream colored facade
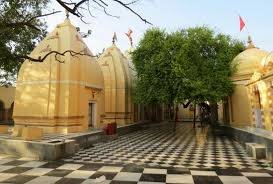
[(60, 97), (117, 86), (6, 103), (7, 96), (251, 103), (75, 93)]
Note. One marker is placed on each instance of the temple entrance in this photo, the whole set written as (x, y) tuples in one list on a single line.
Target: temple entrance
[(91, 115), (257, 110)]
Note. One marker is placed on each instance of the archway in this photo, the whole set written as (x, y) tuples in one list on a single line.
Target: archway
[(257, 108)]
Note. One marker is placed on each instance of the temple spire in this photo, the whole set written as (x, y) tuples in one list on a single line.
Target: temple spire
[(67, 14), (115, 38), (250, 43)]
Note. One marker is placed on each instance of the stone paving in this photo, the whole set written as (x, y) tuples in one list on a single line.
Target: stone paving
[(160, 146), (27, 171), (152, 156)]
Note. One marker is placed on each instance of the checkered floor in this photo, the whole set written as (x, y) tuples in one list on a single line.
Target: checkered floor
[(36, 172), (159, 146)]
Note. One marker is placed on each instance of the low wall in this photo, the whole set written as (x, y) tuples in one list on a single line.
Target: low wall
[(59, 148), (37, 150), (251, 135)]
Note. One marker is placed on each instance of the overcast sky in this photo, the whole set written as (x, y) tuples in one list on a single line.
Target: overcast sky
[(222, 15)]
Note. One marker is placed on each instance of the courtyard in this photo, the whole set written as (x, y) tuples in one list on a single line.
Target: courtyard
[(90, 91), (159, 146), (154, 155)]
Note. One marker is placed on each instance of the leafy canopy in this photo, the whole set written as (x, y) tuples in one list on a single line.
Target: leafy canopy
[(19, 33), (188, 65)]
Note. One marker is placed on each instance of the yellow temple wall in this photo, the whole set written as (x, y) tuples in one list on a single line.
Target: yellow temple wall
[(7, 95), (261, 87), (240, 106), (185, 113), (55, 94), (117, 86)]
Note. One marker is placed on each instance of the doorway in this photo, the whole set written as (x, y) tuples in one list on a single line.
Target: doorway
[(91, 115), (258, 109)]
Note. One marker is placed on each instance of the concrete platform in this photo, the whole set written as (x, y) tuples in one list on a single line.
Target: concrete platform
[(57, 146), (254, 135)]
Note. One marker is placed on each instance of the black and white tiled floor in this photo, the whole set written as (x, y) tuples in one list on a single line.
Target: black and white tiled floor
[(159, 146), (152, 156), (37, 172)]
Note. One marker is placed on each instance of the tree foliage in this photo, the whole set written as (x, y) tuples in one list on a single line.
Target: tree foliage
[(20, 30), (188, 65)]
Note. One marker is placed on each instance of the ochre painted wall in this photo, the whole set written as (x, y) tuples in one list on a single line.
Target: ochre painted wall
[(7, 95), (117, 86), (240, 106), (54, 95)]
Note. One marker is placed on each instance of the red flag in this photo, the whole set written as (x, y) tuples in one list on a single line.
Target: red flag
[(242, 23)]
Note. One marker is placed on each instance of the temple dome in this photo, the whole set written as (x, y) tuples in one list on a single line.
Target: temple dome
[(84, 68), (64, 93), (267, 60), (247, 62), (117, 85)]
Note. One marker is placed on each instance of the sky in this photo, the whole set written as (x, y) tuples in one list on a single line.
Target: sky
[(221, 15)]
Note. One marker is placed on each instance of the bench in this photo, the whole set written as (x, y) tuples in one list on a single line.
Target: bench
[(258, 151)]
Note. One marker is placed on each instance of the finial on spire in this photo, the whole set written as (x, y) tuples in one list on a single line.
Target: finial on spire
[(67, 14), (115, 38), (129, 35), (250, 43)]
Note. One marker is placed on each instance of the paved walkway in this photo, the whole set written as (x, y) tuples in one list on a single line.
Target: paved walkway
[(153, 156), (36, 172), (159, 146)]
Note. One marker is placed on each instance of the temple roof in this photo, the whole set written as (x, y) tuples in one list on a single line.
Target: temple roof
[(117, 65), (82, 67), (248, 61)]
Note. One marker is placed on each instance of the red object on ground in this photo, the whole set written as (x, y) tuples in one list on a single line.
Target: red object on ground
[(110, 129)]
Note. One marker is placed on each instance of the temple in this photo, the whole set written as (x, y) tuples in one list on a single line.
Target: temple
[(251, 101), (74, 91), (64, 93), (117, 86)]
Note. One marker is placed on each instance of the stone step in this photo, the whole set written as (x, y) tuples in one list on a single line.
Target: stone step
[(258, 151)]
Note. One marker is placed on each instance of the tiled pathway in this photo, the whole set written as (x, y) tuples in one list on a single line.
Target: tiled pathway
[(36, 172), (159, 146), (151, 156)]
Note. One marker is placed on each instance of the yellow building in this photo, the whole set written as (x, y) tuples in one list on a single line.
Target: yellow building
[(71, 92), (62, 93), (6, 103), (251, 102), (117, 86)]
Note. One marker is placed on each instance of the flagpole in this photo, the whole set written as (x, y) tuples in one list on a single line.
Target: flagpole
[(246, 27)]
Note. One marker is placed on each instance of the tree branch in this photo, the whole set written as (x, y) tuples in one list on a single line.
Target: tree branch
[(56, 54), (28, 22), (73, 7)]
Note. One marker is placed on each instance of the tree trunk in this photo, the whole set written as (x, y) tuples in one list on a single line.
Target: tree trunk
[(194, 115), (214, 113), (175, 117)]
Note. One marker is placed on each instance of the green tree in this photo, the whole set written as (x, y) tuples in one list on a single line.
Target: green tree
[(153, 84), (190, 65), (20, 30), (204, 66)]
